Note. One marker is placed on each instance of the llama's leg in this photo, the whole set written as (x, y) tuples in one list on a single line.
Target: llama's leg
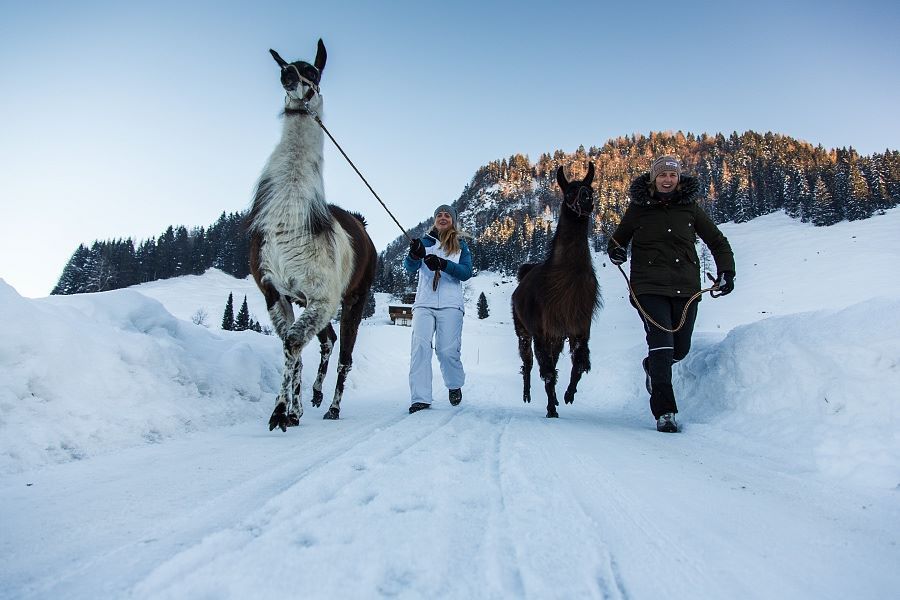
[(581, 363), (288, 408), (351, 316), (313, 319), (547, 353), (296, 407), (281, 314), (279, 416), (327, 337), (526, 355)]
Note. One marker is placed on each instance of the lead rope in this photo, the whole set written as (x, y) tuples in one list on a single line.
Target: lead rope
[(643, 312), (315, 116)]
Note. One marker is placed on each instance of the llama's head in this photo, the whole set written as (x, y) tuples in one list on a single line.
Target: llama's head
[(299, 78), (578, 196)]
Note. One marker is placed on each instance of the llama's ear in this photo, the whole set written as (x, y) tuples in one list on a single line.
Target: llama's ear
[(561, 179), (590, 175), (321, 55), (281, 62)]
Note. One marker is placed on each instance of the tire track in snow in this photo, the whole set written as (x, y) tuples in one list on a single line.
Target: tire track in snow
[(500, 551), (183, 526), (705, 516), (335, 487), (556, 545)]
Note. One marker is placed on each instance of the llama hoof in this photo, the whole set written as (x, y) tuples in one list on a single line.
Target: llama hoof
[(317, 398), (280, 421), (333, 414), (569, 398), (552, 414), (526, 399)]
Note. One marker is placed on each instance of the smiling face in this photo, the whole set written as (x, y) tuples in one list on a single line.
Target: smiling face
[(666, 181), (443, 221)]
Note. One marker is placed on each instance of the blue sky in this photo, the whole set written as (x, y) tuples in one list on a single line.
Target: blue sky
[(119, 120)]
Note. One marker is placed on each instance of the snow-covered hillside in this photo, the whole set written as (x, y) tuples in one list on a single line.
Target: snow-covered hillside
[(135, 457)]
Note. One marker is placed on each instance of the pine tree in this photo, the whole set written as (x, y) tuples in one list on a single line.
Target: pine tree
[(482, 306), (72, 273), (166, 262), (242, 322), (824, 211), (228, 317), (742, 201), (369, 309), (181, 252), (100, 271), (859, 205), (146, 260)]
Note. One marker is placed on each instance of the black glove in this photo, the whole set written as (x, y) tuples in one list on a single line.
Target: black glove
[(725, 282), (618, 255), (416, 249), (435, 262)]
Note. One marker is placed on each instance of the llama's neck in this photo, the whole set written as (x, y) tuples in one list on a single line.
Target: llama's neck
[(291, 190), (300, 148), (570, 242)]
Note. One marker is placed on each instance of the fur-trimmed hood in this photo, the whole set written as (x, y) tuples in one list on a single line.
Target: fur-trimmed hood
[(641, 191)]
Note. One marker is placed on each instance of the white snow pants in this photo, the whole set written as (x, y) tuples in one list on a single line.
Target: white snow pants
[(444, 326)]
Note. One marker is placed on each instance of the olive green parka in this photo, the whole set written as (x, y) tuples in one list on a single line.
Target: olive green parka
[(662, 236)]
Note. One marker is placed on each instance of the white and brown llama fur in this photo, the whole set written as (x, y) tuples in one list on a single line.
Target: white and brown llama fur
[(304, 251)]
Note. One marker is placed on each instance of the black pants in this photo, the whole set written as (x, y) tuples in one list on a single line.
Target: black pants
[(664, 348)]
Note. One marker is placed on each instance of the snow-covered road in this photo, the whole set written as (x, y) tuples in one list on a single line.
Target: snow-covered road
[(487, 500)]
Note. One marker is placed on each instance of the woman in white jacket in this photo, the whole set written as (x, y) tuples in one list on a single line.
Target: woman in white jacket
[(442, 260)]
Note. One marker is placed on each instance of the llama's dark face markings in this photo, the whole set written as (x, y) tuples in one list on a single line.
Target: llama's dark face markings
[(299, 78), (577, 195)]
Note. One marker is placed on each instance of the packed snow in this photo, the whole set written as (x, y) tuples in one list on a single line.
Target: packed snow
[(135, 460)]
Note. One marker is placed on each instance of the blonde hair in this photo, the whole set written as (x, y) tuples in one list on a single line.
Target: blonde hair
[(449, 239)]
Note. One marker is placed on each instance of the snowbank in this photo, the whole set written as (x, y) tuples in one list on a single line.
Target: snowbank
[(92, 373), (822, 385)]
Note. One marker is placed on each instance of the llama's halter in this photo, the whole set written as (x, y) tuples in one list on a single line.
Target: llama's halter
[(312, 85), (712, 292), (575, 205)]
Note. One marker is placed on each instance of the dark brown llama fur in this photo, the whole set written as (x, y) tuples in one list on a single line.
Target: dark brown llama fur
[(556, 299)]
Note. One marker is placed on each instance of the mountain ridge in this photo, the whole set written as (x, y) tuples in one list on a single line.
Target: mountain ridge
[(509, 206)]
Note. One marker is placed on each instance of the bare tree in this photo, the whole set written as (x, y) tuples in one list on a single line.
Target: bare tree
[(200, 317)]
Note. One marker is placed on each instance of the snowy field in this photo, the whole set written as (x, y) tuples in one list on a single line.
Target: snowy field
[(135, 460)]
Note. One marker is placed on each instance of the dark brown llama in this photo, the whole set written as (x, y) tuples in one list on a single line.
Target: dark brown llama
[(305, 251), (557, 298)]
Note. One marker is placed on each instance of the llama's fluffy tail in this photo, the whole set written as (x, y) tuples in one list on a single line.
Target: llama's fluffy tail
[(524, 270)]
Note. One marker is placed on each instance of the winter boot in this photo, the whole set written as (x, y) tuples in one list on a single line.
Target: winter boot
[(666, 423), (647, 383), (456, 396), (417, 406)]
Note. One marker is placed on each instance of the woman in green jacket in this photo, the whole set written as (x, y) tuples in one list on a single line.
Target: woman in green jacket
[(662, 223)]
